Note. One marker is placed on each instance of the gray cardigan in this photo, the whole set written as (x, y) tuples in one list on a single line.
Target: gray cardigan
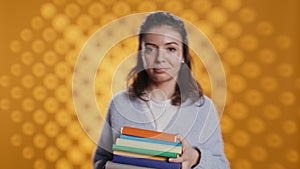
[(198, 124)]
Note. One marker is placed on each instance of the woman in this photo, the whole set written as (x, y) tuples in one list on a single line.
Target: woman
[(164, 96)]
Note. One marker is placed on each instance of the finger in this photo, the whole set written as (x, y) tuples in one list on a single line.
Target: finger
[(179, 137), (178, 159), (184, 142)]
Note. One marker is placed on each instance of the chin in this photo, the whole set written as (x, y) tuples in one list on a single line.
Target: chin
[(161, 79)]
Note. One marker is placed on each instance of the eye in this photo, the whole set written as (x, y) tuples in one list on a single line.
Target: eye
[(149, 50), (171, 49)]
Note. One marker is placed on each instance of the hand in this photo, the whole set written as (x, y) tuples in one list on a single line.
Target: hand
[(189, 157)]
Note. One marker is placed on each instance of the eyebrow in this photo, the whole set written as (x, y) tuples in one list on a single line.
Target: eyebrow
[(169, 43)]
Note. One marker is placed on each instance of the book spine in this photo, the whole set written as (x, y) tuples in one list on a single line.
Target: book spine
[(148, 134), (144, 151), (145, 162), (112, 165), (150, 140), (148, 145)]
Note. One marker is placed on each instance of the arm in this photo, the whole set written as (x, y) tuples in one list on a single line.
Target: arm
[(212, 154), (211, 157), (100, 158), (103, 152), (203, 146), (211, 143), (190, 156)]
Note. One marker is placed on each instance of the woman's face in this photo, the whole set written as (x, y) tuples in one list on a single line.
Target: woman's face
[(162, 53)]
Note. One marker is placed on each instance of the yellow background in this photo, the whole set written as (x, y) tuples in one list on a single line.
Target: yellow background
[(258, 43)]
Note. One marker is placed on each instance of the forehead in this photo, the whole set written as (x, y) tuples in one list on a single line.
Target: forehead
[(163, 33)]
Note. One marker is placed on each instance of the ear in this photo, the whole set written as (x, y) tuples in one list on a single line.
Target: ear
[(182, 59)]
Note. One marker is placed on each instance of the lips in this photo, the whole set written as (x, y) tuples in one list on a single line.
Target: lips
[(159, 70)]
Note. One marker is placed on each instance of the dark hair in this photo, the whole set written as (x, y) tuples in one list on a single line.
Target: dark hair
[(187, 86)]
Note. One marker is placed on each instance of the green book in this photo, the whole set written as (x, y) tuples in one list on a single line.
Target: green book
[(145, 151)]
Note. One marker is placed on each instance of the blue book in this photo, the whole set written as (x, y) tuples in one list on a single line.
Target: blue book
[(142, 162), (149, 140)]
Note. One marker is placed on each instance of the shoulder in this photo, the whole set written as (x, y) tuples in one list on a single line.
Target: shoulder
[(203, 102), (208, 105), (122, 99), (123, 94), (119, 98), (207, 101)]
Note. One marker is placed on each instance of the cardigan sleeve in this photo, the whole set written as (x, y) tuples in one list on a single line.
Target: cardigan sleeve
[(211, 144), (212, 156), (103, 152)]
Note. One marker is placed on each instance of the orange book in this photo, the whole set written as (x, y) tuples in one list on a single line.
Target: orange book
[(156, 135)]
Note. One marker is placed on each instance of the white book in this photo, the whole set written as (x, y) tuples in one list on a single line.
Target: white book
[(149, 145)]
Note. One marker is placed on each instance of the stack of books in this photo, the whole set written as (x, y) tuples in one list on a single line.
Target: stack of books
[(144, 149)]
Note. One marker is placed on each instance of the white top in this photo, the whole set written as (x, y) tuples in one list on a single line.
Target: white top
[(160, 113)]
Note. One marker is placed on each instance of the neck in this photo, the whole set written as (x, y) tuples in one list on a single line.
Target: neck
[(162, 91)]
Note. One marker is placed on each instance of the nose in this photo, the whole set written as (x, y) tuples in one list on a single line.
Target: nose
[(160, 56)]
